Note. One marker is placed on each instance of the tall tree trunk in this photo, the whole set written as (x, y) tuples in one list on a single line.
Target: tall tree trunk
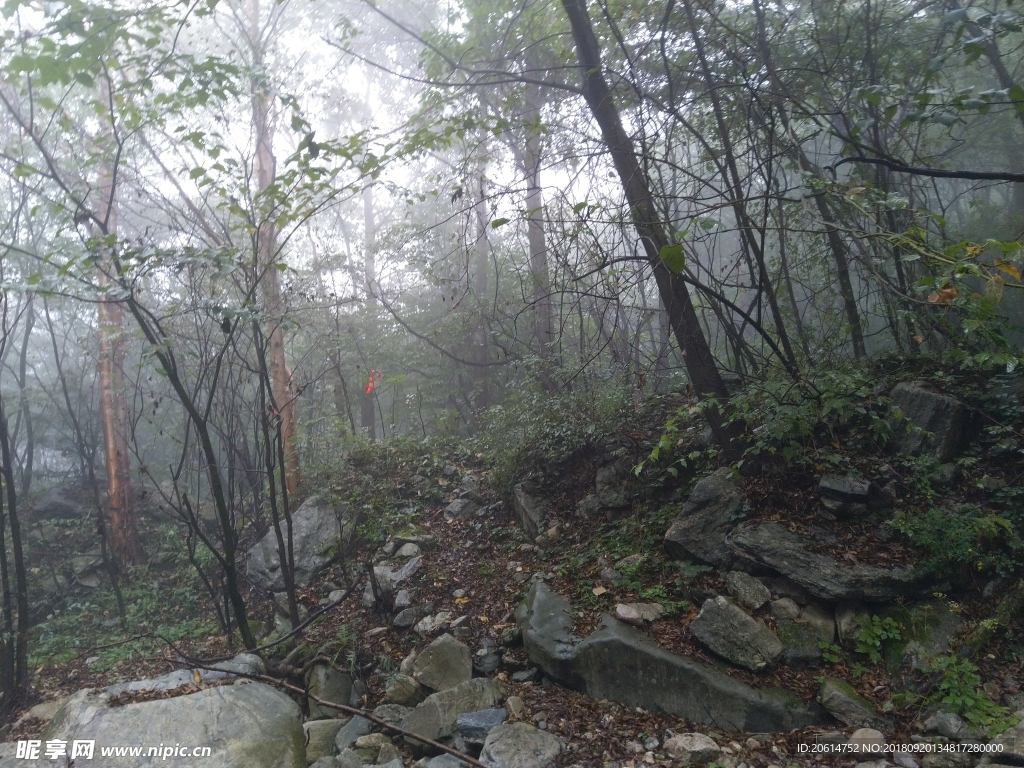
[(482, 252), (122, 528), (266, 254), (697, 357), (367, 400)]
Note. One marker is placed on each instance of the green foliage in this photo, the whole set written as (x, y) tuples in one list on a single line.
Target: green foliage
[(535, 428), (964, 536), (958, 690), (830, 652), (873, 637), (805, 419)]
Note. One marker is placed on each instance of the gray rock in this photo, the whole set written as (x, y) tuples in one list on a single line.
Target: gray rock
[(408, 550), (529, 509), (405, 618), (699, 532), (404, 690), (823, 576), (248, 724), (460, 509), (936, 421), (243, 663), (746, 590), (946, 724), (693, 748), (800, 643), (847, 496), (821, 620), (847, 706), (612, 488), (520, 745), (734, 635), (437, 716), (352, 730), (639, 614), (474, 726), (403, 600), (443, 664), (868, 737), (622, 664), (429, 626), (927, 630), (1011, 742), (445, 761), (320, 735), (388, 579), (392, 713), (784, 608), (319, 532), (330, 684), (486, 661)]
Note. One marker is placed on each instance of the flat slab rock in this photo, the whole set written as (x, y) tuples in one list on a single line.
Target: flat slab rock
[(733, 634), (824, 576), (700, 529), (622, 664)]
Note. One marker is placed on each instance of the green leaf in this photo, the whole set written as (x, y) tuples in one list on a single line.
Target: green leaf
[(195, 173), (674, 257), (498, 223), (579, 207)]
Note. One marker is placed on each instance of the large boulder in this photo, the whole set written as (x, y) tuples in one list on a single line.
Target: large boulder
[(934, 423), (621, 663), (824, 576), (319, 532), (847, 706), (520, 745), (443, 664), (734, 635), (699, 532), (245, 725), (436, 717), (530, 509)]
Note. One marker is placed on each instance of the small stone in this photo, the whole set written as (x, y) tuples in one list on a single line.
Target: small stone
[(371, 741), (443, 664), (351, 731), (903, 760), (474, 726), (460, 509), (404, 690), (692, 748), (746, 590), (651, 743), (784, 608), (870, 739), (429, 626), (511, 637), (405, 618), (946, 724), (521, 745), (389, 754), (525, 676), (459, 593), (515, 707), (403, 599), (639, 614), (408, 550), (392, 713)]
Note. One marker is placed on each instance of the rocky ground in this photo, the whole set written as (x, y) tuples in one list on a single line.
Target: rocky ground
[(598, 619)]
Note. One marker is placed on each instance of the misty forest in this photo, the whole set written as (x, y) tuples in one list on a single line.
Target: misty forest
[(529, 383)]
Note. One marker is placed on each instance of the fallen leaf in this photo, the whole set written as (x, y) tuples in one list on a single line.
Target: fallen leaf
[(599, 591)]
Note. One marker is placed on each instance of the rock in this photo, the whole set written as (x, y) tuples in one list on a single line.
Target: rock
[(619, 663), (847, 706), (392, 713), (870, 741), (44, 711), (700, 529), (784, 608), (443, 664), (823, 576), (946, 724), (486, 661), (947, 760), (800, 642), (388, 579), (936, 421), (408, 550), (372, 741), (612, 490), (927, 630), (403, 600), (529, 509), (460, 509), (847, 496), (445, 761), (404, 690), (249, 724), (405, 618), (525, 675), (388, 755), (437, 716), (1010, 745), (851, 619), (515, 707), (511, 637), (734, 635), (821, 620), (320, 735), (746, 590), (352, 730), (639, 614), (474, 726), (519, 745), (693, 748), (319, 532), (903, 760), (330, 684), (429, 626)]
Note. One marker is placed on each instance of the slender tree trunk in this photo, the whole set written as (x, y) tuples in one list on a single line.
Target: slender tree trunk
[(697, 356), (481, 346), (121, 526), (367, 405), (266, 247)]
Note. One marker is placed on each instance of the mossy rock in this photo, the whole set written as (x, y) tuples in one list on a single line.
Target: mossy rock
[(927, 630)]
